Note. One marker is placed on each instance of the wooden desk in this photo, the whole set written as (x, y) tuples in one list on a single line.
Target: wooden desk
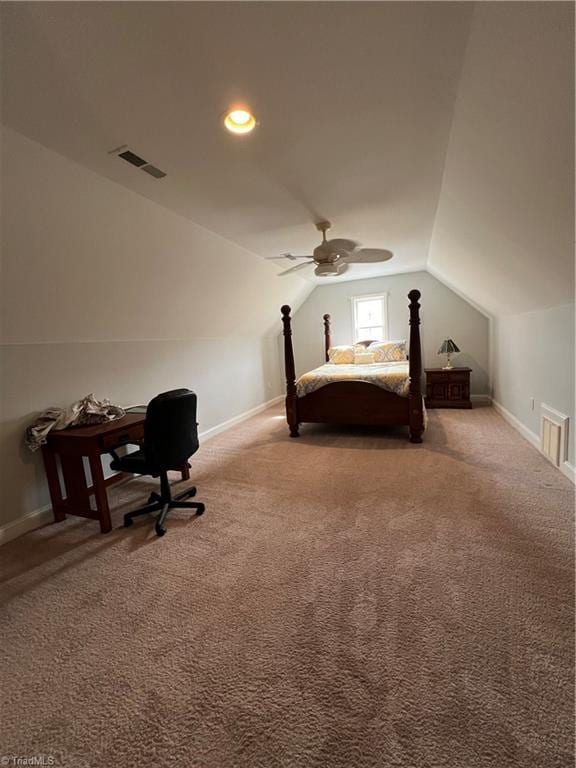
[(70, 446)]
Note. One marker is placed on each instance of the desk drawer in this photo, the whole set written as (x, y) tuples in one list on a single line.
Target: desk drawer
[(458, 376), (132, 434)]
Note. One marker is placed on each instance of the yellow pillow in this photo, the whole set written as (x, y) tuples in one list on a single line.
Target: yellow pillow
[(388, 351), (343, 355), (364, 358)]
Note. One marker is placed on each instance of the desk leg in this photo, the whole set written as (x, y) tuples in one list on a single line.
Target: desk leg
[(51, 468), (99, 490)]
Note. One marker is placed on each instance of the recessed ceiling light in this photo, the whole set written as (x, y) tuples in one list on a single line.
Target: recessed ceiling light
[(240, 121)]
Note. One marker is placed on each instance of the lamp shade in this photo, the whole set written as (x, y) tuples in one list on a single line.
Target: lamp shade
[(448, 346)]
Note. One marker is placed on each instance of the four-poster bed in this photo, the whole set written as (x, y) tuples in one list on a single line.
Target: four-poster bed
[(355, 401)]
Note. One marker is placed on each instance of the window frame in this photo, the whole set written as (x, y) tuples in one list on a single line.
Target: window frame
[(383, 296)]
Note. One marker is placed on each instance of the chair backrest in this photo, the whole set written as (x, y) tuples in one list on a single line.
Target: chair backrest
[(171, 430)]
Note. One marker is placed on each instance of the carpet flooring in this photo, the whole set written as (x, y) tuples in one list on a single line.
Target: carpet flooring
[(348, 600)]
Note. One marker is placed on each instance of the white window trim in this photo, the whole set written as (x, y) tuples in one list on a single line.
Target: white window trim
[(354, 299)]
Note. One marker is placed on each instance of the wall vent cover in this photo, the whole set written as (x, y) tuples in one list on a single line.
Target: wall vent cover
[(137, 161), (553, 435)]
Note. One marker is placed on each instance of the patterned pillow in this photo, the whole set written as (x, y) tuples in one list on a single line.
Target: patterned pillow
[(364, 358), (388, 351), (343, 355)]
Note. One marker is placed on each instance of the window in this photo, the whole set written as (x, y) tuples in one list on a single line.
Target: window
[(370, 317)]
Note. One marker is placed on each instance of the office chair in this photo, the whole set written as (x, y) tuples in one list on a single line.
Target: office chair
[(170, 438)]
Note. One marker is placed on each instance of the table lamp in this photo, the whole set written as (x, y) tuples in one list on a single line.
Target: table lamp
[(447, 348)]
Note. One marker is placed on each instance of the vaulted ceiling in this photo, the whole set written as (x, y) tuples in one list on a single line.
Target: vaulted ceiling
[(397, 121)]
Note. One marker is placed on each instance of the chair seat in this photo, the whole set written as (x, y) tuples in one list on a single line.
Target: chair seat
[(136, 463)]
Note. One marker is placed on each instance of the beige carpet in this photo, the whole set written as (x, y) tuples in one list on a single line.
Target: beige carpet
[(348, 599)]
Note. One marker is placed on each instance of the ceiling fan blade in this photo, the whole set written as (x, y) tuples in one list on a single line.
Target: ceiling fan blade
[(341, 244), (367, 256), (296, 268), (290, 256)]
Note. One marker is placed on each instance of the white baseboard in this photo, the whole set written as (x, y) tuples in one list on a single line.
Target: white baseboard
[(213, 431), (566, 468), (39, 517), (27, 522), (569, 470), (526, 433)]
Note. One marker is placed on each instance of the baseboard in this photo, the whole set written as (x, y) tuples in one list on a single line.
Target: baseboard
[(481, 398), (526, 433), (566, 468), (213, 431), (26, 523), (569, 471), (39, 517)]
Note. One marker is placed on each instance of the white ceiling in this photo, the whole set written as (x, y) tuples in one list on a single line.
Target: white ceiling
[(441, 131), (355, 103)]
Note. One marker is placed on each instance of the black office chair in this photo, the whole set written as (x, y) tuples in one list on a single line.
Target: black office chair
[(170, 438)]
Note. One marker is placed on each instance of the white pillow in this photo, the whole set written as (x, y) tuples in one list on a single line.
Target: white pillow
[(364, 358), (388, 351), (343, 355)]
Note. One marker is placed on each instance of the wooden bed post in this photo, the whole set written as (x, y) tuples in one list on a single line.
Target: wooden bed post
[(290, 369), (327, 336), (415, 403)]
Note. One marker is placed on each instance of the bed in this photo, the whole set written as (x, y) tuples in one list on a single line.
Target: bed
[(357, 394)]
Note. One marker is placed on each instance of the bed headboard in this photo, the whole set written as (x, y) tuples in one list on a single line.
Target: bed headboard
[(365, 343), (328, 338)]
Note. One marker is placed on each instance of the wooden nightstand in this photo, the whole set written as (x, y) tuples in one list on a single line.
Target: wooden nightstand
[(448, 388)]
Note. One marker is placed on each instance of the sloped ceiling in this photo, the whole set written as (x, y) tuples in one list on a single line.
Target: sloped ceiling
[(354, 101), (442, 131), (504, 230)]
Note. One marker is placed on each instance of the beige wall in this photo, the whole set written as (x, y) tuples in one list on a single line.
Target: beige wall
[(443, 313), (533, 358), (504, 229), (104, 291)]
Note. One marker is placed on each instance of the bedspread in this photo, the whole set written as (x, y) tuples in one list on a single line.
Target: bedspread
[(393, 377)]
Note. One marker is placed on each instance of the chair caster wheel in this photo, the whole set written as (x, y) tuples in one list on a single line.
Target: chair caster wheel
[(201, 509), (191, 492), (128, 522), (159, 530)]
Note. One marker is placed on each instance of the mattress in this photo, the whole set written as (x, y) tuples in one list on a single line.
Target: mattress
[(393, 377)]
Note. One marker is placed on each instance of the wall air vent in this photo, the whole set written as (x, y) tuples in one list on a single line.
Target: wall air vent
[(137, 161), (553, 435)]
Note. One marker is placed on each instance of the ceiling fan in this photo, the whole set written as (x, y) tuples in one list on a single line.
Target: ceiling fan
[(331, 257)]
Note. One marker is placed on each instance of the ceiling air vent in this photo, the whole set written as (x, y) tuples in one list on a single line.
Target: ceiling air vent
[(130, 157), (153, 171), (137, 161)]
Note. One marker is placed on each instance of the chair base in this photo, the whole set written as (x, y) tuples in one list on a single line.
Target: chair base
[(164, 502)]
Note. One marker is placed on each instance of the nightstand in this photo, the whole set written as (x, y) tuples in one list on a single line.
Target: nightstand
[(448, 388)]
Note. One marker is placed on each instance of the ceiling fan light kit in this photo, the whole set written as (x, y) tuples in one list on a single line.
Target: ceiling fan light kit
[(328, 270), (331, 257)]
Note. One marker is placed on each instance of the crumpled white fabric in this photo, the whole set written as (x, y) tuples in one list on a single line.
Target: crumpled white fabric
[(89, 410)]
